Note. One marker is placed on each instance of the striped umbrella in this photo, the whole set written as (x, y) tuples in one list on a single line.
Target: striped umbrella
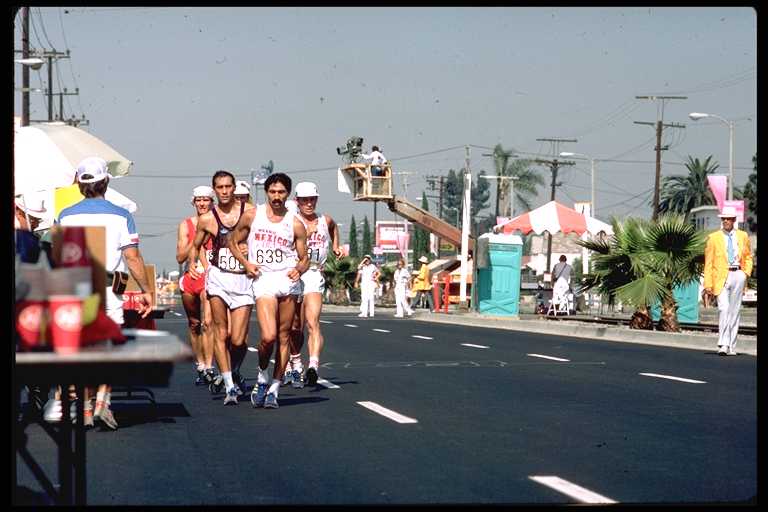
[(553, 217)]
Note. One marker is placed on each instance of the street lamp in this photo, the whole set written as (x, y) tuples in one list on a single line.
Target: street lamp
[(33, 62), (592, 164), (511, 190), (699, 115)]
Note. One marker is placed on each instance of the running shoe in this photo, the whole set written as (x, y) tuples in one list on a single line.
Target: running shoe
[(200, 380), (312, 376), (217, 384), (296, 379), (105, 418), (209, 375), (239, 383), (287, 378), (271, 402), (53, 411), (231, 396), (258, 395)]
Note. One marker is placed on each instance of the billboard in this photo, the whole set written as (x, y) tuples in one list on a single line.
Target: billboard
[(387, 234)]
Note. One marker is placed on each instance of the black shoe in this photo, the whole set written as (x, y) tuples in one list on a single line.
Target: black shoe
[(311, 376), (238, 380)]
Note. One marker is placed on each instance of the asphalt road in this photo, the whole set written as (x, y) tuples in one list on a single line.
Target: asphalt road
[(485, 416)]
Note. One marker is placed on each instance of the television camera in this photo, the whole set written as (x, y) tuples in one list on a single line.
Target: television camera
[(352, 150)]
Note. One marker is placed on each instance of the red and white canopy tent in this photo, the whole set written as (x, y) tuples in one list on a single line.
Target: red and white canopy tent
[(554, 217)]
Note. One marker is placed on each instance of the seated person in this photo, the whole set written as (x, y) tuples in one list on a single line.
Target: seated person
[(377, 159)]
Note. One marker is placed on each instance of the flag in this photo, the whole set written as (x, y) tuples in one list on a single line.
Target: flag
[(717, 184)]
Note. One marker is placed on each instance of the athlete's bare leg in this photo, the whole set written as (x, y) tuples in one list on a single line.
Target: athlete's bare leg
[(312, 306), (219, 315), (266, 314), (191, 303), (207, 336), (238, 331), (286, 310)]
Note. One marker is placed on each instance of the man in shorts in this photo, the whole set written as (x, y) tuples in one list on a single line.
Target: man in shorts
[(322, 235), (193, 299), (277, 256), (227, 286)]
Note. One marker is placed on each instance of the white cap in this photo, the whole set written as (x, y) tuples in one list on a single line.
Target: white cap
[(32, 204), (242, 188), (306, 189), (728, 212), (202, 191), (95, 167), (423, 259)]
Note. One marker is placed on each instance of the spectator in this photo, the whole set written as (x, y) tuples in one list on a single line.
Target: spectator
[(561, 275), (243, 192), (377, 159), (402, 282), (422, 284), (367, 278)]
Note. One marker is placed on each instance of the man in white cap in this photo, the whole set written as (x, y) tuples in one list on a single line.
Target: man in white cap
[(196, 305), (243, 191), (368, 279), (322, 236), (277, 256), (122, 250), (29, 211), (727, 264)]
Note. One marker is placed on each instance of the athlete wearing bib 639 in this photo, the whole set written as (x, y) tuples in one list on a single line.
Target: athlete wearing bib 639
[(271, 247)]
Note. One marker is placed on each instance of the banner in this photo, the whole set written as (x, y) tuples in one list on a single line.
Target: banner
[(433, 244), (386, 235), (402, 239), (718, 183), (739, 205)]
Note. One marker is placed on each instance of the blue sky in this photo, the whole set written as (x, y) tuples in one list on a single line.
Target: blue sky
[(186, 91)]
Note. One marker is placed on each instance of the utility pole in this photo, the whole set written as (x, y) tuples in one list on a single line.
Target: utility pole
[(25, 69), (554, 164), (659, 124), (431, 180), (61, 100), (466, 216)]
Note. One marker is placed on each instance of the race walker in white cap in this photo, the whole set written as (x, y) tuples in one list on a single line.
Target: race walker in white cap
[(322, 236), (196, 306)]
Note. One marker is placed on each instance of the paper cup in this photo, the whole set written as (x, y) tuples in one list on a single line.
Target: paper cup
[(66, 322), (29, 324)]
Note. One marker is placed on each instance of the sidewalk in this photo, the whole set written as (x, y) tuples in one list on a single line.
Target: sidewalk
[(533, 323)]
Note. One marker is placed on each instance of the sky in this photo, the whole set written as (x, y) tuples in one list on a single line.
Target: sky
[(183, 92)]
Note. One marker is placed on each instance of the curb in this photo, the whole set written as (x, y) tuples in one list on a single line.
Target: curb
[(746, 345)]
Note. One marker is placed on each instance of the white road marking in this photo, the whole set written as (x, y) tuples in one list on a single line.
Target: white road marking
[(325, 322), (380, 330), (350, 325), (549, 357), (394, 416), (328, 384), (421, 337), (473, 346), (570, 489), (252, 349), (175, 313), (670, 377)]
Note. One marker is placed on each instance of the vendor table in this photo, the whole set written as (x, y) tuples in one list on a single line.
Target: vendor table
[(146, 359)]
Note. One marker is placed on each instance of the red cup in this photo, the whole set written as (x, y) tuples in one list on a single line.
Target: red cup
[(74, 251), (66, 312), (29, 322)]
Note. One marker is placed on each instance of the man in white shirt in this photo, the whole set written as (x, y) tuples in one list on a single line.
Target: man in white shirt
[(367, 278), (377, 159), (561, 274)]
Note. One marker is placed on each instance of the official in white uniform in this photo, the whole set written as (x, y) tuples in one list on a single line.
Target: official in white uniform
[(402, 283), (367, 278)]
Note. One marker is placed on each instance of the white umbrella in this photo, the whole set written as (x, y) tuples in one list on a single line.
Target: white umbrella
[(46, 156)]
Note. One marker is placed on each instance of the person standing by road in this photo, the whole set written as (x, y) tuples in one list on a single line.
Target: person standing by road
[(727, 265), (122, 249), (193, 299), (227, 286), (402, 280), (277, 257), (422, 284), (561, 274), (322, 236), (368, 279)]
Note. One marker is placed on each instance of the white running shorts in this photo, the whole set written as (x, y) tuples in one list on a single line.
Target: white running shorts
[(276, 284), (313, 281), (233, 289)]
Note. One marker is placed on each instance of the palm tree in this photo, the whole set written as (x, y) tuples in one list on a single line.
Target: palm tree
[(681, 193), (643, 262), (339, 275), (526, 185)]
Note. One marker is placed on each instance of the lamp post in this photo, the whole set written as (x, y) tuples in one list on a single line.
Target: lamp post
[(511, 189), (699, 115), (593, 213)]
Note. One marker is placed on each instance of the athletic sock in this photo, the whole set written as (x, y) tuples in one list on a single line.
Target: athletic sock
[(275, 386), (200, 367), (228, 382), (314, 362), (263, 377), (296, 363)]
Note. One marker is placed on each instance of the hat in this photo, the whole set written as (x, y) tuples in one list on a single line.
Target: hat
[(423, 259), (367, 256), (31, 204), (728, 212), (242, 188), (202, 191), (95, 167), (306, 189)]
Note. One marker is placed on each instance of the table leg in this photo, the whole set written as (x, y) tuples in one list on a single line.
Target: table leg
[(65, 450), (79, 453)]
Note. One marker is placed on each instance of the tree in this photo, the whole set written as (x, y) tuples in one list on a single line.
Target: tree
[(354, 250), (367, 247), (454, 197), (421, 236), (339, 275), (681, 193), (750, 197), (525, 186), (643, 261)]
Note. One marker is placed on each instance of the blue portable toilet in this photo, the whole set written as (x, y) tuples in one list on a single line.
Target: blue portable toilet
[(498, 260), (687, 298)]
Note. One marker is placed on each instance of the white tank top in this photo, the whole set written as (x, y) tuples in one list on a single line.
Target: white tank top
[(317, 243), (270, 244)]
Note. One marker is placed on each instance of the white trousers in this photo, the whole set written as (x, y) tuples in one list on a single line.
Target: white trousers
[(401, 300), (367, 295), (729, 306)]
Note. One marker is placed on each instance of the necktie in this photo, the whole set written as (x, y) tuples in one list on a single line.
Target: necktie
[(731, 251)]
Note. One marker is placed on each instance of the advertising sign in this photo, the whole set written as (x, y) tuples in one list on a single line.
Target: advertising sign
[(386, 235)]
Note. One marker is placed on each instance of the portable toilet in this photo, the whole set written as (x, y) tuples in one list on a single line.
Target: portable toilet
[(498, 259), (687, 298)]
